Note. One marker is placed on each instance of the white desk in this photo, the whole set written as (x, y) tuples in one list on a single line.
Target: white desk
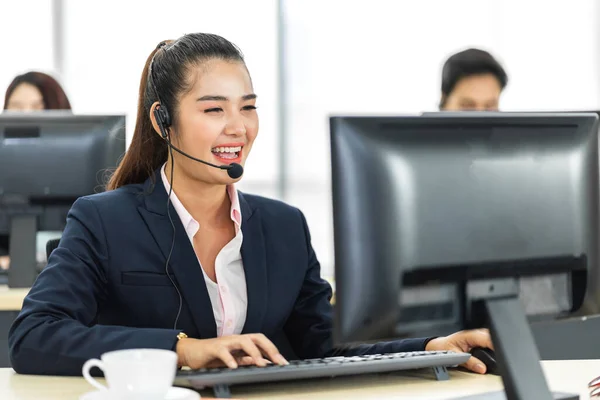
[(12, 299), (565, 376)]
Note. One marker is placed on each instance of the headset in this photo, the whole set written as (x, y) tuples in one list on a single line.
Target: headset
[(163, 120)]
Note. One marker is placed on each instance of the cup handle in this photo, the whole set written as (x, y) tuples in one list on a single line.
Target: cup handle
[(89, 364)]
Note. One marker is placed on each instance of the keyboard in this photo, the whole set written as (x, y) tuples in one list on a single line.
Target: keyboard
[(502, 396), (320, 368)]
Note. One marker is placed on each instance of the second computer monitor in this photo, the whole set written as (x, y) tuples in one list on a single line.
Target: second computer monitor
[(47, 161), (454, 198)]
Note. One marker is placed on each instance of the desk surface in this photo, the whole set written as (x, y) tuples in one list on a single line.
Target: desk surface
[(565, 376), (11, 299)]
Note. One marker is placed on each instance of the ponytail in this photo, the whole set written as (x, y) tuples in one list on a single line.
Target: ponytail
[(147, 151)]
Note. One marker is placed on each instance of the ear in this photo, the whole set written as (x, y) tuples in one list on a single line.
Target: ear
[(153, 119)]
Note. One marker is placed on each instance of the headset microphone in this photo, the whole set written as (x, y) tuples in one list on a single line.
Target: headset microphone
[(235, 170)]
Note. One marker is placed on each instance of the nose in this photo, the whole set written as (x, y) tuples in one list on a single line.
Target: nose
[(235, 127)]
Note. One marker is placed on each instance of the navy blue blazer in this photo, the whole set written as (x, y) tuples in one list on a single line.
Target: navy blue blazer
[(105, 286)]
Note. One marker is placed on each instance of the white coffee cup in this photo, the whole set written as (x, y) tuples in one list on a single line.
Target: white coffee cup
[(134, 374)]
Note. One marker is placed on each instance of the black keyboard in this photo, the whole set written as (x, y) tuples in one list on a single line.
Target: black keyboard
[(319, 368)]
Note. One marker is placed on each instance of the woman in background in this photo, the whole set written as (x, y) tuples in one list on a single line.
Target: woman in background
[(31, 91), (35, 91)]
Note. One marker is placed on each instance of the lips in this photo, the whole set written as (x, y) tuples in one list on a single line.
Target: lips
[(229, 153)]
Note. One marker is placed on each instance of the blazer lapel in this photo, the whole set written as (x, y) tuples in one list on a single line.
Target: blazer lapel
[(183, 262), (254, 258)]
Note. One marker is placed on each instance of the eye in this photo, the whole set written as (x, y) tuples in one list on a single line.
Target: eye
[(248, 108), (216, 109)]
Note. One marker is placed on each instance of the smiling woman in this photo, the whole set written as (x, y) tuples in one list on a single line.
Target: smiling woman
[(174, 257)]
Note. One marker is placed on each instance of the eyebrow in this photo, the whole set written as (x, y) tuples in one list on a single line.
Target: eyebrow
[(223, 98)]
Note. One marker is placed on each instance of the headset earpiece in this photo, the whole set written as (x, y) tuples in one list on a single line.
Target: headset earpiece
[(166, 118), (163, 120)]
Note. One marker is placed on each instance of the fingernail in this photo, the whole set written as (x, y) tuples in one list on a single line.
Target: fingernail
[(232, 365), (479, 368), (281, 360), (261, 362)]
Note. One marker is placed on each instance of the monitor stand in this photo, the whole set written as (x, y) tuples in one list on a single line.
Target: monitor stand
[(22, 250), (495, 303)]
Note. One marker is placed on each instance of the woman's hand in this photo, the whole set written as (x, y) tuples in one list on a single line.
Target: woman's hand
[(463, 342), (229, 351)]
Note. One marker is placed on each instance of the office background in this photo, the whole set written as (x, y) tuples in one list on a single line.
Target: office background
[(309, 59)]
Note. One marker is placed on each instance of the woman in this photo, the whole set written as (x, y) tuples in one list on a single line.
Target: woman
[(35, 91), (32, 91), (173, 257)]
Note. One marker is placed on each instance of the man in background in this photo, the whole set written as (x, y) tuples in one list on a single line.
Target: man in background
[(472, 80)]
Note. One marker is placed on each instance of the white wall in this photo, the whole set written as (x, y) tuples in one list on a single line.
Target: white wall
[(385, 57), (343, 56), (26, 29)]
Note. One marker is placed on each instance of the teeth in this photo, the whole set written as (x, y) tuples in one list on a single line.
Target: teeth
[(227, 149)]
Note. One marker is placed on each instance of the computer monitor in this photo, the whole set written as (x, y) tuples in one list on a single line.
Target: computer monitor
[(545, 297), (47, 161), (472, 199)]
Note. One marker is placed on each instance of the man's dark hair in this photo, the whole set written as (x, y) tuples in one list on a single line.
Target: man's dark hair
[(468, 63)]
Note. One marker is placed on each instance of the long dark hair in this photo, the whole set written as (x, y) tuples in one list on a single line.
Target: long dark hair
[(53, 94), (170, 61)]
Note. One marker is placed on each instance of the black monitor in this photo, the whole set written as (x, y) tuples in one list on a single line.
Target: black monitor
[(550, 297), (47, 161), (471, 199)]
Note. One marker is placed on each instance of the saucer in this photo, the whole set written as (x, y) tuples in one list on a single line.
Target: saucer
[(175, 393)]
